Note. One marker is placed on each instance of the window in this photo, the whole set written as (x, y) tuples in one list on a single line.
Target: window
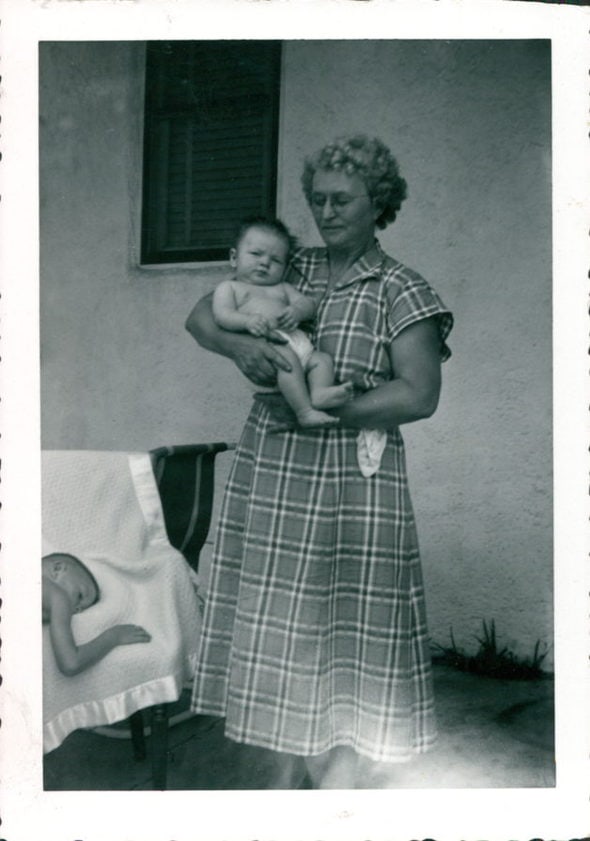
[(210, 148)]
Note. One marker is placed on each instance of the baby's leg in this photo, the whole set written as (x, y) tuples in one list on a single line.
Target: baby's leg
[(293, 386), (320, 376)]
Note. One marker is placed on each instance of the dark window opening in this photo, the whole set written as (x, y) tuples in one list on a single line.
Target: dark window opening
[(210, 145)]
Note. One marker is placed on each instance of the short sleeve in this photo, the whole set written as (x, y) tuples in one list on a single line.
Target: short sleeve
[(415, 300)]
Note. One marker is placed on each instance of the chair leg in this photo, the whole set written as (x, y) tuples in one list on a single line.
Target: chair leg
[(137, 735), (159, 743)]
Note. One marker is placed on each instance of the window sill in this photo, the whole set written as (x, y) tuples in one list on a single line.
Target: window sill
[(182, 267)]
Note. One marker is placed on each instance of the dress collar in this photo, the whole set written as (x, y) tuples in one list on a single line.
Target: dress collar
[(366, 266)]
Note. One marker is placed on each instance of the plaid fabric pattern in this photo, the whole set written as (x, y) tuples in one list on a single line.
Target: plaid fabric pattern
[(315, 630)]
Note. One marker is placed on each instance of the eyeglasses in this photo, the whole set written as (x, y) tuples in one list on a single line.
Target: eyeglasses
[(338, 201)]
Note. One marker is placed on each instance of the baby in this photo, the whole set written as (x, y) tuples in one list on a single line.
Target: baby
[(257, 300), (68, 588)]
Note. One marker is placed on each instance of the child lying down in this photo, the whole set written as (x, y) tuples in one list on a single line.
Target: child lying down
[(69, 588)]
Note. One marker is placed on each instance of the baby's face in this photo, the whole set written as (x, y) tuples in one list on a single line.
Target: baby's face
[(260, 258), (78, 585)]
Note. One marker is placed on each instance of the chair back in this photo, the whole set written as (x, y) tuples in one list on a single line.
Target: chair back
[(185, 479)]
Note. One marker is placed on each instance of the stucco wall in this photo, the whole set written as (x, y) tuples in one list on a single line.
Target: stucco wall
[(469, 123)]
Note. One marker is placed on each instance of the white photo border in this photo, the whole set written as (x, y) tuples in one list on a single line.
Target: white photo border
[(27, 810)]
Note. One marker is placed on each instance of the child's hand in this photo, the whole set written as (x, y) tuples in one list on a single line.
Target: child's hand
[(129, 634), (258, 325), (287, 320)]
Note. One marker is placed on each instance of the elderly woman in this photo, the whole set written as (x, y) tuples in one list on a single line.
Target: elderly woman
[(315, 642)]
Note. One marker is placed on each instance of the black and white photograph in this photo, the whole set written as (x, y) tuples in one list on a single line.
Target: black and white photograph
[(298, 329)]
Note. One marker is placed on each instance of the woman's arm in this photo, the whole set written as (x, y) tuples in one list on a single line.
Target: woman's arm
[(71, 658), (257, 358), (413, 394)]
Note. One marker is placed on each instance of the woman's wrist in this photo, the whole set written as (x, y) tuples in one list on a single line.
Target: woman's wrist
[(385, 407), (371, 409), (237, 345), (349, 415)]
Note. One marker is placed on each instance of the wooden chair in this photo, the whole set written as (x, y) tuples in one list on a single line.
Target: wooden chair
[(185, 478)]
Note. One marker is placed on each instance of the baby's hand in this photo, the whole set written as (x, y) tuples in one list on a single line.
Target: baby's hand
[(258, 325), (129, 634), (287, 320)]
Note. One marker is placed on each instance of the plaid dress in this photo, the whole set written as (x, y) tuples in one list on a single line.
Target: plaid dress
[(314, 632)]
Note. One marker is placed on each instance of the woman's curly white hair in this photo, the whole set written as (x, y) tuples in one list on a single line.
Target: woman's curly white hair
[(372, 161)]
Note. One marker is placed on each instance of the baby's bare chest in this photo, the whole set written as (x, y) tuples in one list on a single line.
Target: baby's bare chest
[(261, 299)]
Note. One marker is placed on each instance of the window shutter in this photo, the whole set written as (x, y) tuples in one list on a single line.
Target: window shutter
[(210, 144)]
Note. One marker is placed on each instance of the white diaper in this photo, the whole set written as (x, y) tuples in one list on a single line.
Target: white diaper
[(300, 344), (370, 444)]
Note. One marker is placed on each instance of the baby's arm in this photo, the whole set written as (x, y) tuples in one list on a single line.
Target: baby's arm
[(300, 308), (71, 658), (227, 315)]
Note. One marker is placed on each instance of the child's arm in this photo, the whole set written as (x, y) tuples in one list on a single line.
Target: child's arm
[(257, 359), (227, 315), (301, 308), (71, 658)]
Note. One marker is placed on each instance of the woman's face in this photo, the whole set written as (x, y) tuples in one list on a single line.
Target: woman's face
[(343, 212)]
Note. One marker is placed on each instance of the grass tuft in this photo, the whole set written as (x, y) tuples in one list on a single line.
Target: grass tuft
[(490, 660)]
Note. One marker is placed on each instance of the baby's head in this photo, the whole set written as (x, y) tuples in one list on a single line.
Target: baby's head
[(262, 250), (70, 574)]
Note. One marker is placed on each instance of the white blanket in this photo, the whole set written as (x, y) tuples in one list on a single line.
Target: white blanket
[(104, 507)]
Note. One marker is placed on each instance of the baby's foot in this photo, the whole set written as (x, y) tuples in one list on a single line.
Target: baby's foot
[(310, 417), (332, 396)]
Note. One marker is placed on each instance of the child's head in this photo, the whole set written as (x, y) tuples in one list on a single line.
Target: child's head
[(261, 252), (70, 574)]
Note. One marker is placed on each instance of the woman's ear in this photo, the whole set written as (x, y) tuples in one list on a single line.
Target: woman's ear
[(377, 208), (233, 257)]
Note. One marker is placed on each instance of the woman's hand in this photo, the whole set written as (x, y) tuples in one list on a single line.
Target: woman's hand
[(259, 359)]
